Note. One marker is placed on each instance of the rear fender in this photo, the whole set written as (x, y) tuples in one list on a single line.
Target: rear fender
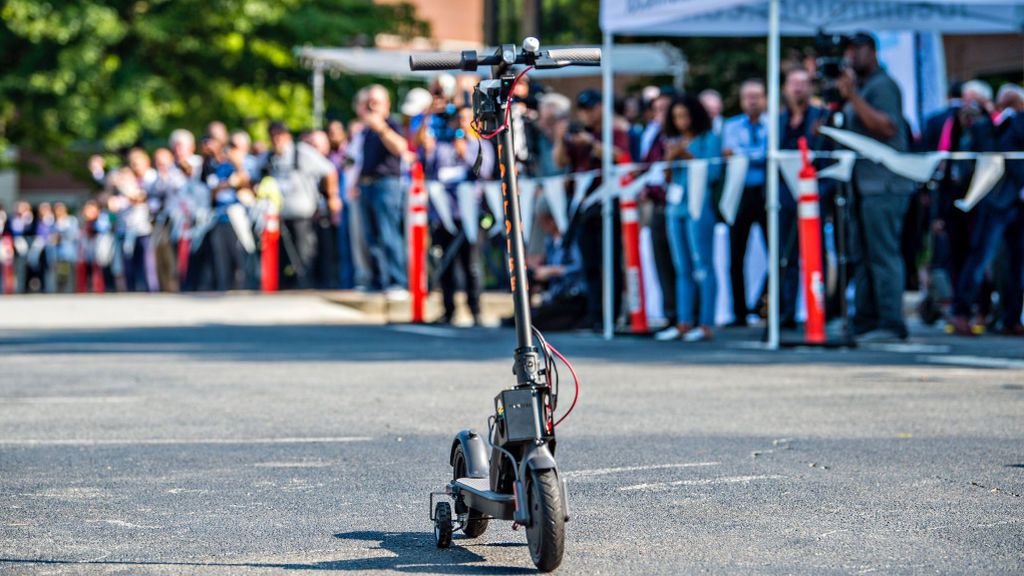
[(473, 446)]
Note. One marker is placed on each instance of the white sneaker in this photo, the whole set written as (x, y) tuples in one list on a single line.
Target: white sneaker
[(670, 333), (695, 335), (397, 295)]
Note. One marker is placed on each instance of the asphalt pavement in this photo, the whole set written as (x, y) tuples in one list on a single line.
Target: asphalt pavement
[(184, 442)]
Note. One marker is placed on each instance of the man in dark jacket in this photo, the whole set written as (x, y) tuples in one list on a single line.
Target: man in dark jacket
[(800, 119), (998, 221)]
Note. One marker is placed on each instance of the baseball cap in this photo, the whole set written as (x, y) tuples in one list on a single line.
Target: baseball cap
[(416, 102), (863, 39), (588, 98)]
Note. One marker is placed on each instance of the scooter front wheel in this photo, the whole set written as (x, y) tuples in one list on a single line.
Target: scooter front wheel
[(546, 531)]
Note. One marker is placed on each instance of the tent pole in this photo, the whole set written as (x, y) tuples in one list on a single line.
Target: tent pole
[(773, 175), (318, 95), (607, 109)]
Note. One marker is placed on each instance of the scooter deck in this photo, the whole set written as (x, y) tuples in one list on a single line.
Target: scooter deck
[(477, 494)]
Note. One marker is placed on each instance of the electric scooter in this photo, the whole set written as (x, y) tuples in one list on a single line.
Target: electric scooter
[(511, 473)]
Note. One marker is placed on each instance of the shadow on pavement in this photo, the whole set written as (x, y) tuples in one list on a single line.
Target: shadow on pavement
[(391, 343), (410, 552)]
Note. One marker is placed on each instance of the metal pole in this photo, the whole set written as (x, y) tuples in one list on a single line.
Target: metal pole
[(773, 175), (318, 95), (607, 178)]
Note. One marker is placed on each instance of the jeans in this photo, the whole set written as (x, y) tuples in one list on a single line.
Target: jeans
[(226, 257), (346, 259), (789, 257), (465, 257), (991, 228), (663, 262), (878, 276), (297, 253), (751, 211), (692, 242), (382, 202), (138, 265), (589, 234)]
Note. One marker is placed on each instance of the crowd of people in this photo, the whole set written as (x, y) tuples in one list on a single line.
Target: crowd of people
[(190, 217)]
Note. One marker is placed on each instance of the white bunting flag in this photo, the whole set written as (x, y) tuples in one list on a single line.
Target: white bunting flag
[(732, 191), (790, 164), (468, 196), (527, 197), (554, 194), (581, 183), (697, 186), (492, 195), (843, 169), (243, 229), (632, 189), (917, 167), (439, 199), (987, 173)]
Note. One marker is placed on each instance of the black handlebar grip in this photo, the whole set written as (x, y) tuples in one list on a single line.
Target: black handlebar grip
[(576, 56), (436, 61)]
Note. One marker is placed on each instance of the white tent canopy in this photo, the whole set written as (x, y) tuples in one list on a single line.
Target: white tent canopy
[(773, 18), (804, 17)]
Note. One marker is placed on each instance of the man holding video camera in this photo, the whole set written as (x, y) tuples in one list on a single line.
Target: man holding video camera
[(874, 108)]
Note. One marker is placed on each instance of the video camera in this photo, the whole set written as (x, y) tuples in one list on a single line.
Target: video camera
[(830, 64), (444, 125)]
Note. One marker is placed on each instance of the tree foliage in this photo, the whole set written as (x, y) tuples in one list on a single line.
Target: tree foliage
[(106, 74)]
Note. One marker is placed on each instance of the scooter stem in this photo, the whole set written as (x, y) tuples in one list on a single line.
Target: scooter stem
[(526, 359)]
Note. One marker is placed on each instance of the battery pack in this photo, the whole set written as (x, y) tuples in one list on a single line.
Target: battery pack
[(521, 409)]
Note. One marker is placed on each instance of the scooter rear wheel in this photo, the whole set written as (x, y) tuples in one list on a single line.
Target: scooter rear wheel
[(476, 523), (546, 532), (443, 524)]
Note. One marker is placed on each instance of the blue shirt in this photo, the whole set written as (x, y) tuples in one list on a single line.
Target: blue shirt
[(707, 145), (744, 138)]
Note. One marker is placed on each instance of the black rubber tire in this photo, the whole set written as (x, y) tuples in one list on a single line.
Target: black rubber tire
[(546, 532), (476, 523), (443, 524)]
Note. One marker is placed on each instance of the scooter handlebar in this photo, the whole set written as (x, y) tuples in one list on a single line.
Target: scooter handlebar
[(470, 60), (576, 56), (435, 61)]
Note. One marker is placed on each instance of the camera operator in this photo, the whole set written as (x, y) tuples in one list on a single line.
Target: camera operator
[(579, 147), (874, 108), (450, 149)]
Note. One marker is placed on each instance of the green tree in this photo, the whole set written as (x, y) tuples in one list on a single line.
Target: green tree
[(99, 75)]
